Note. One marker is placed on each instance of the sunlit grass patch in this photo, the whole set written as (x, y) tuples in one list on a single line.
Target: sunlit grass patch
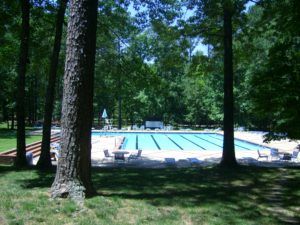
[(8, 139)]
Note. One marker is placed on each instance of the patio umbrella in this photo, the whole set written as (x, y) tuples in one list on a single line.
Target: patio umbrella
[(104, 114)]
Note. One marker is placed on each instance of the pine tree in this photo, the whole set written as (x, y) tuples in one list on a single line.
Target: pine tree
[(45, 160), (73, 175), (20, 103)]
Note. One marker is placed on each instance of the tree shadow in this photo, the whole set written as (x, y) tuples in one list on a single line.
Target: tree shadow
[(43, 179), (242, 189), (254, 192), (7, 133)]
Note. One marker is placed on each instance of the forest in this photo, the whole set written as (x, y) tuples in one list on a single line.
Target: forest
[(163, 60)]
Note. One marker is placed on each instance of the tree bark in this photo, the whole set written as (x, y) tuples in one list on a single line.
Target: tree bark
[(87, 111), (228, 157), (20, 103), (45, 159), (73, 175)]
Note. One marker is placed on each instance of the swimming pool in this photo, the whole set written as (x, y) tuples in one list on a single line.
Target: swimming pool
[(176, 141)]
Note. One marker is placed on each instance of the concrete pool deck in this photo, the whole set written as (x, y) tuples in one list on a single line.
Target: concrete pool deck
[(156, 159), (207, 157)]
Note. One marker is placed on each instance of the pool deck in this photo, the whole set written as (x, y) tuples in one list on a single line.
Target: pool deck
[(206, 157), (156, 158)]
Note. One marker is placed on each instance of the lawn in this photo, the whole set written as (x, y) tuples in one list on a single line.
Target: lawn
[(8, 139), (248, 195)]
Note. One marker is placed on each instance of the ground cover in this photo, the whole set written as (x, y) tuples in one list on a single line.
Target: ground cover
[(8, 138), (248, 195)]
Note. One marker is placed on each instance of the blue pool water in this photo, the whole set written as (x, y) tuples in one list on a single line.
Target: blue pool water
[(177, 141)]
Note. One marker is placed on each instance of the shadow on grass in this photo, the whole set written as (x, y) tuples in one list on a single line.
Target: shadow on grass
[(7, 133), (44, 178), (251, 191)]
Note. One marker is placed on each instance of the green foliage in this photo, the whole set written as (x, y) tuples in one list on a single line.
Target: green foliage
[(276, 89), (147, 57), (40, 46), (271, 75)]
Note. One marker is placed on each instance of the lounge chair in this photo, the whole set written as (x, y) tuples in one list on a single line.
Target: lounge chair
[(119, 157), (295, 155), (136, 156), (170, 161), (286, 157), (291, 157), (107, 155), (194, 161), (55, 145), (274, 153), (54, 153), (135, 127), (262, 155), (55, 149)]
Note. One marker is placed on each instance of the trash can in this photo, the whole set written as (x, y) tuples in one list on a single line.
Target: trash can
[(29, 158)]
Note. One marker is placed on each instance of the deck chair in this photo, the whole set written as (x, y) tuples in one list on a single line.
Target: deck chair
[(170, 161), (261, 155), (107, 155), (55, 149), (194, 161), (54, 153), (119, 157), (136, 156), (295, 155), (274, 153)]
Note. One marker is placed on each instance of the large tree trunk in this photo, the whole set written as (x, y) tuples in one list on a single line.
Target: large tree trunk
[(73, 175), (45, 159), (20, 104), (228, 157), (87, 111)]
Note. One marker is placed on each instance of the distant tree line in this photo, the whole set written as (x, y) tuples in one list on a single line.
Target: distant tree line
[(152, 65)]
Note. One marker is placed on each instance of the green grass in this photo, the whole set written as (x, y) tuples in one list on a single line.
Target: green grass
[(8, 138), (247, 195)]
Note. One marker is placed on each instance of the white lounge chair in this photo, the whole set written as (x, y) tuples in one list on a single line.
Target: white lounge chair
[(262, 155), (194, 161), (170, 161), (295, 155), (54, 153), (55, 149), (274, 153)]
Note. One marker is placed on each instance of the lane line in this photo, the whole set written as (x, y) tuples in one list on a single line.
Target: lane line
[(174, 142), (193, 142), (234, 144), (208, 141), (155, 142), (137, 142)]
